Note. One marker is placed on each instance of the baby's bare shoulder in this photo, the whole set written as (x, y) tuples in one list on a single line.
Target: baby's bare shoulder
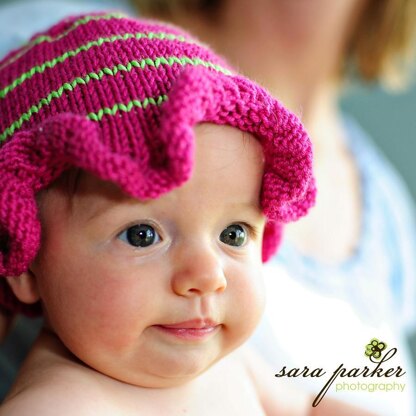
[(49, 399), (59, 389), (51, 382)]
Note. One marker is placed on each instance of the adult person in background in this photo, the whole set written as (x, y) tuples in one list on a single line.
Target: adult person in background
[(353, 257)]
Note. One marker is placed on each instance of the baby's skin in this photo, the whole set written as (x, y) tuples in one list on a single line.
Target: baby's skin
[(148, 303)]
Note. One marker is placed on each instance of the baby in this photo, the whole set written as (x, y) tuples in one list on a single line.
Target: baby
[(160, 179)]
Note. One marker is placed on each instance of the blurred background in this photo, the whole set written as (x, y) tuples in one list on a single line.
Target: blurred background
[(391, 121)]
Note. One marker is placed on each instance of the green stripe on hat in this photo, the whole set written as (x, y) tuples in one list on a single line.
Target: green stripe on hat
[(127, 107), (70, 86), (38, 69)]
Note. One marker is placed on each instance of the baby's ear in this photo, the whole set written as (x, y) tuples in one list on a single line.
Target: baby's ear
[(24, 287)]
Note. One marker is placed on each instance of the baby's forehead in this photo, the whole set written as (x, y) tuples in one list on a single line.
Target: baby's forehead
[(77, 190), (228, 167), (217, 146), (222, 142)]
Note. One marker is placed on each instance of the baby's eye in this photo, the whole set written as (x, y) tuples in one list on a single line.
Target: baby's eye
[(140, 235), (234, 235)]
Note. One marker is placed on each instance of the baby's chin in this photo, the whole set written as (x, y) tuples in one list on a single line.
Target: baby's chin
[(160, 371), (162, 375)]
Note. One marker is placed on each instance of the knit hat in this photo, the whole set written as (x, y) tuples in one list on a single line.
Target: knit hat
[(118, 97)]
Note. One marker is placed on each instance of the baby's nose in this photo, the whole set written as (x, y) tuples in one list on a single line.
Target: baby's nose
[(199, 272)]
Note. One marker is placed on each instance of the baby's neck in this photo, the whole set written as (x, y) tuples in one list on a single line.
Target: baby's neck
[(51, 370), (49, 354)]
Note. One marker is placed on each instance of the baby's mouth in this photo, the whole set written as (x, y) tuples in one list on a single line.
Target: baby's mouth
[(196, 329)]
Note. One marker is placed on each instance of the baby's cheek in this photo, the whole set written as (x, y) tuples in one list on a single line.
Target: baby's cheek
[(122, 305), (107, 323), (248, 299), (254, 294)]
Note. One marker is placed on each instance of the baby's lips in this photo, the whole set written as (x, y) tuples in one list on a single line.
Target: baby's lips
[(193, 324)]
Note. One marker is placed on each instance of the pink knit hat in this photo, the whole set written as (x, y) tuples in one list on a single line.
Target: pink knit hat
[(118, 97)]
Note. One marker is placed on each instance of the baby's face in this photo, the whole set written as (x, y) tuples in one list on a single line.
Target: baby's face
[(153, 293)]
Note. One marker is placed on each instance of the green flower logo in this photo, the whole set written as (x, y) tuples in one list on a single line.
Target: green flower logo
[(374, 348)]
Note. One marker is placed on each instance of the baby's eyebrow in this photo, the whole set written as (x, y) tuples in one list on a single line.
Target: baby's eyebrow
[(124, 203), (253, 206), (96, 213), (101, 210), (250, 203)]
